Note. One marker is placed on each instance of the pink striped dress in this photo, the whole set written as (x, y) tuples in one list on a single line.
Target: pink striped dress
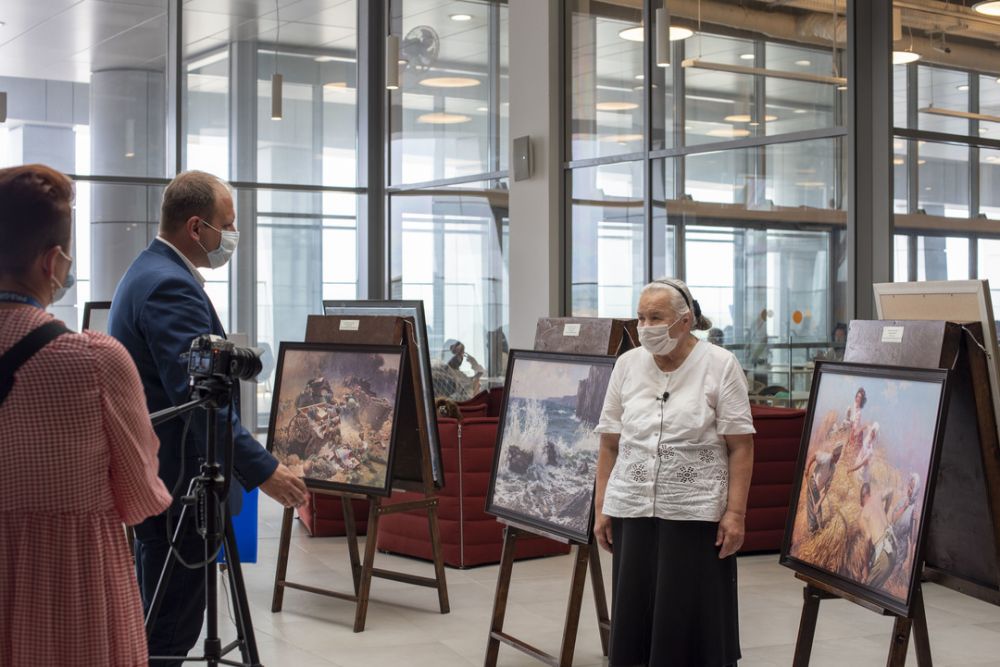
[(77, 459)]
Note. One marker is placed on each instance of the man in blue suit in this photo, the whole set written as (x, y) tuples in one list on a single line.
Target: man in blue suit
[(159, 308)]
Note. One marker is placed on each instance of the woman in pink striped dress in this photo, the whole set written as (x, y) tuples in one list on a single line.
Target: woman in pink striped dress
[(77, 455)]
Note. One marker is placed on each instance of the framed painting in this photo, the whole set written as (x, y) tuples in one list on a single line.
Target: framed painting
[(545, 462), (414, 310), (865, 480), (333, 414), (95, 315)]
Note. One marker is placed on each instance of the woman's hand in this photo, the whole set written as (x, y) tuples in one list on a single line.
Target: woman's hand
[(730, 535), (602, 530)]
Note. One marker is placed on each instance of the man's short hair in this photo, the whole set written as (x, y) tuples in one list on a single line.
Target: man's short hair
[(190, 194), (36, 214)]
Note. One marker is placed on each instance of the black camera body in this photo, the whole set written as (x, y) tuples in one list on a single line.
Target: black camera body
[(215, 357)]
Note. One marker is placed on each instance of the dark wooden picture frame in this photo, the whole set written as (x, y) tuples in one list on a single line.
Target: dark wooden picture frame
[(850, 586), (336, 348), (88, 313), (538, 524), (414, 310)]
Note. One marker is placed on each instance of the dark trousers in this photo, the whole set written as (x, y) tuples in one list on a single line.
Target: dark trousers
[(673, 600), (182, 613)]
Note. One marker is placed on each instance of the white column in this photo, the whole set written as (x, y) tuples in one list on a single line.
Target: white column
[(536, 266)]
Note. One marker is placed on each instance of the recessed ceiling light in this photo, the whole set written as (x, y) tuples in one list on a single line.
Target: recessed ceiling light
[(842, 88), (983, 130), (989, 7), (747, 56), (754, 124), (993, 158), (324, 59), (746, 118), (800, 111), (482, 109), (338, 86), (442, 118), (461, 18), (963, 87), (449, 82), (616, 106), (921, 161), (810, 184), (621, 138), (898, 161), (904, 57), (639, 77), (803, 63), (928, 188), (636, 34), (729, 133)]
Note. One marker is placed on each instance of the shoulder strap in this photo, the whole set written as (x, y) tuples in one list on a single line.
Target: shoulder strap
[(23, 350)]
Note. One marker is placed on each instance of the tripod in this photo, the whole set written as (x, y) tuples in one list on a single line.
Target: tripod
[(205, 503)]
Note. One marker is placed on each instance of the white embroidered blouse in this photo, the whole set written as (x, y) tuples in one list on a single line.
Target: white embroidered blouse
[(673, 461)]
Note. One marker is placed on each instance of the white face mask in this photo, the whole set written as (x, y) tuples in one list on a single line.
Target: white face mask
[(657, 339), (224, 252), (60, 289)]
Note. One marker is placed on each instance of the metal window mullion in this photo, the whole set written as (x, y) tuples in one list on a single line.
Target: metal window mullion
[(912, 153), (911, 256), (493, 93), (648, 67), (175, 82), (373, 242), (975, 194)]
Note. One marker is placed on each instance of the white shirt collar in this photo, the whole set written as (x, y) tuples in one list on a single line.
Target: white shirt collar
[(187, 262)]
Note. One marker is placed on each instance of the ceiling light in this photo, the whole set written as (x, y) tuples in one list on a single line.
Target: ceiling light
[(728, 133), (898, 161), (921, 161), (754, 124), (442, 118), (747, 56), (904, 57), (803, 63), (746, 118), (616, 106), (621, 138), (761, 71), (993, 158), (636, 33), (482, 109), (639, 77), (960, 114), (811, 184), (276, 83), (449, 82), (461, 18), (842, 88), (337, 86), (988, 7), (963, 87), (983, 130), (800, 111), (324, 59)]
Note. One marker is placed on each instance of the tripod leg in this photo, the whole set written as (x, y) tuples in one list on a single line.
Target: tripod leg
[(244, 625), (165, 573)]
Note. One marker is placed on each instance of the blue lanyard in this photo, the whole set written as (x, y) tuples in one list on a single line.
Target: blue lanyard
[(15, 297)]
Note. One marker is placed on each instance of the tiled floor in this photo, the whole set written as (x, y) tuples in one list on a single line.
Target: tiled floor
[(405, 629)]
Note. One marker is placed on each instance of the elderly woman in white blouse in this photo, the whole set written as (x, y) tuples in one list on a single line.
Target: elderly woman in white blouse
[(672, 480)]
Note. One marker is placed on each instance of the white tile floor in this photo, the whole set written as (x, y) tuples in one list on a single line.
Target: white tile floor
[(404, 627)]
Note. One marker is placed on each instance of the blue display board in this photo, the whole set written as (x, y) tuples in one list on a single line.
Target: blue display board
[(245, 525)]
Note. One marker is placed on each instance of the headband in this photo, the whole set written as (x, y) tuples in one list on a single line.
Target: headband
[(692, 304)]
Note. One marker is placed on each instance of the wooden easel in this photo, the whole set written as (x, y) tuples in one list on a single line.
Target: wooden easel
[(411, 471), (916, 622), (962, 549), (577, 335), (585, 555)]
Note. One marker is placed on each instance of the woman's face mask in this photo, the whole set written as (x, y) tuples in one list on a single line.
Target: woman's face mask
[(657, 339)]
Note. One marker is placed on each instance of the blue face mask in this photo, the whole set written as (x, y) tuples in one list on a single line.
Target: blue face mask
[(62, 288)]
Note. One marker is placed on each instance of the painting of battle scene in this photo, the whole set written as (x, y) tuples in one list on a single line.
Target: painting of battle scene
[(333, 414), (860, 504), (546, 458)]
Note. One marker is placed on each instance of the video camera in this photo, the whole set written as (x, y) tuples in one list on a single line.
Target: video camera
[(215, 357)]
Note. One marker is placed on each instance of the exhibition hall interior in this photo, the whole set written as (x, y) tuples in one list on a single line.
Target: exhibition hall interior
[(499, 332)]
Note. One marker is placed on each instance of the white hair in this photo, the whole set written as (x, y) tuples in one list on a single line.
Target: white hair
[(679, 296)]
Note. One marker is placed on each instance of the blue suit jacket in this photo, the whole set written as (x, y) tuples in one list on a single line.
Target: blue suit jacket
[(158, 309)]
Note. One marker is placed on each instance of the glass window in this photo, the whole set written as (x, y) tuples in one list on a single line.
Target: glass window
[(607, 239), (449, 117), (901, 259), (605, 87), (943, 180), (989, 183), (942, 258), (989, 267)]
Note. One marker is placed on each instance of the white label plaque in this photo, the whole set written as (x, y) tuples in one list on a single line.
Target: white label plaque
[(350, 325), (571, 330), (892, 334)]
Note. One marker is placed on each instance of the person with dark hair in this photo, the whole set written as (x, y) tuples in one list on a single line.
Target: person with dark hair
[(159, 308), (673, 475), (79, 452)]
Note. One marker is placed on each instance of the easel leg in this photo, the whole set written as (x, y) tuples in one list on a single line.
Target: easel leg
[(600, 599), (351, 528), (283, 544), (807, 626), (900, 642), (241, 605), (575, 603), (366, 569), (920, 636), (500, 599), (442, 584)]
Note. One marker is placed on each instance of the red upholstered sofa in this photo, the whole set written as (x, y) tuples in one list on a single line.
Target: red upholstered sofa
[(469, 535), (323, 515)]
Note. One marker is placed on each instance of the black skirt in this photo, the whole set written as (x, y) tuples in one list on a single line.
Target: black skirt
[(673, 601)]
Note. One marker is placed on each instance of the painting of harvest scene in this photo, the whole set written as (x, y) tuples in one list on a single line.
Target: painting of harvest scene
[(860, 506)]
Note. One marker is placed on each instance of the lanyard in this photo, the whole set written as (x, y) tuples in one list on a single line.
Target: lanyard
[(15, 297)]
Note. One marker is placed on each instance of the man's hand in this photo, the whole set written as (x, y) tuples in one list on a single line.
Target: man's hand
[(730, 534), (285, 487), (602, 531)]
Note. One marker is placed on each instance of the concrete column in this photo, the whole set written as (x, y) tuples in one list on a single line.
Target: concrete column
[(127, 137), (536, 266)]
